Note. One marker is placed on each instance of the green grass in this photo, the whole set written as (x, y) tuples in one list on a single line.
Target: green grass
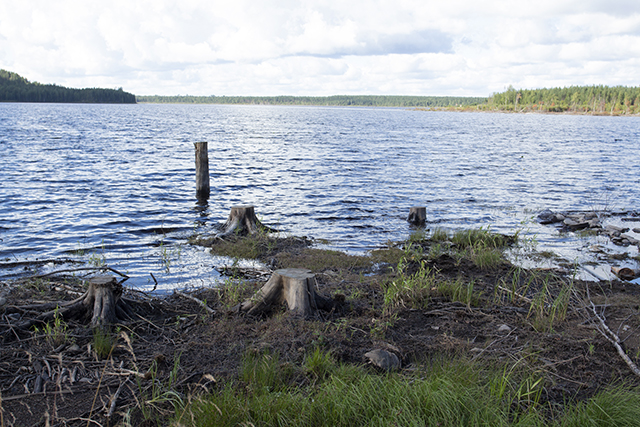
[(104, 341), (415, 290), (440, 393), (409, 290), (458, 290), (56, 332)]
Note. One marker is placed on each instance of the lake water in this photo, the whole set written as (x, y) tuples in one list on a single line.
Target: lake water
[(116, 183)]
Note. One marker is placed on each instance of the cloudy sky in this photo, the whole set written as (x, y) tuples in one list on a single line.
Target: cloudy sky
[(322, 47)]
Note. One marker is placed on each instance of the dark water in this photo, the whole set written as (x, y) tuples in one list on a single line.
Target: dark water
[(116, 183)]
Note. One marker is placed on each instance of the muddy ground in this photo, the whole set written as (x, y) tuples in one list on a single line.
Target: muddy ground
[(173, 345)]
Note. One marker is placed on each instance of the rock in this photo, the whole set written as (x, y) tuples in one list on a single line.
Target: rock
[(546, 217), (383, 359), (636, 230), (631, 240), (594, 223), (75, 348), (614, 229), (504, 328), (549, 217), (574, 225)]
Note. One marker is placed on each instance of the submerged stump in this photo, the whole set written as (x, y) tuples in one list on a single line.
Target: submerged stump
[(417, 215), (202, 170), (242, 221), (296, 287)]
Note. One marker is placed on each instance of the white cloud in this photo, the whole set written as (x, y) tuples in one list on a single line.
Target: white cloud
[(321, 47)]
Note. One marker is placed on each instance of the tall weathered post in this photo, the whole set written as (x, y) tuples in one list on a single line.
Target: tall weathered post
[(202, 169)]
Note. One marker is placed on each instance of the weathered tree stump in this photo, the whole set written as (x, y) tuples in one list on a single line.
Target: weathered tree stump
[(242, 221), (202, 170), (296, 287), (417, 215), (101, 303)]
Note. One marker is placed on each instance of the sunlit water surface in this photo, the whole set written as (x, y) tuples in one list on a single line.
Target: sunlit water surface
[(116, 183)]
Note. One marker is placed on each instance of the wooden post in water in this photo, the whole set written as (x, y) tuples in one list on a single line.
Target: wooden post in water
[(417, 215), (202, 169)]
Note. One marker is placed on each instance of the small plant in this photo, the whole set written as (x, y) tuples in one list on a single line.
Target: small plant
[(232, 292), (459, 291), (380, 326), (56, 333), (410, 291), (319, 364), (547, 309), (417, 236), (481, 237), (485, 257), (104, 342), (439, 235), (263, 372), (97, 259), (155, 397)]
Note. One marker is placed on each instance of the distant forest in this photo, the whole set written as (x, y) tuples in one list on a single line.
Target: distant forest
[(337, 100), (576, 99), (15, 88)]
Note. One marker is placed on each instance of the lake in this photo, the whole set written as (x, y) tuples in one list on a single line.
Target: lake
[(116, 183)]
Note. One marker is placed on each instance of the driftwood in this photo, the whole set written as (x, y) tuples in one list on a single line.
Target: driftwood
[(101, 303), (296, 287), (199, 301), (242, 221)]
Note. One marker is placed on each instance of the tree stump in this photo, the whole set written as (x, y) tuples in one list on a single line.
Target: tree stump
[(242, 221), (202, 170), (101, 302), (295, 286), (417, 215)]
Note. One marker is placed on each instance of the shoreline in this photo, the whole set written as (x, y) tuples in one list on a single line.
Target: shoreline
[(435, 295)]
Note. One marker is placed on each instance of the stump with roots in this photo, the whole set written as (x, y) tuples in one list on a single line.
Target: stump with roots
[(417, 215), (242, 221), (101, 303), (296, 287)]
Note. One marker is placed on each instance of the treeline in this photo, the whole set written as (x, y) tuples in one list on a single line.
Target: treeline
[(337, 100), (577, 99), (15, 88)]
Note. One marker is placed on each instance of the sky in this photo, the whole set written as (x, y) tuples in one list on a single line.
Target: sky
[(322, 47)]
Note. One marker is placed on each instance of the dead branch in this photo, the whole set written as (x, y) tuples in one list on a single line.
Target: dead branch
[(612, 337), (199, 301)]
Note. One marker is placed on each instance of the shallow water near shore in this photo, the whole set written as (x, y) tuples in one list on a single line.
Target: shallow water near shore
[(115, 184)]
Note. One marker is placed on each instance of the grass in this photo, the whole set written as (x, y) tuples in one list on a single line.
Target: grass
[(415, 290), (409, 290), (458, 290), (158, 395), (318, 364), (440, 392), (56, 332), (233, 292), (104, 342)]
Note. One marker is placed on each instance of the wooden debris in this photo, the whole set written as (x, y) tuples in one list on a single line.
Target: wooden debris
[(295, 286)]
